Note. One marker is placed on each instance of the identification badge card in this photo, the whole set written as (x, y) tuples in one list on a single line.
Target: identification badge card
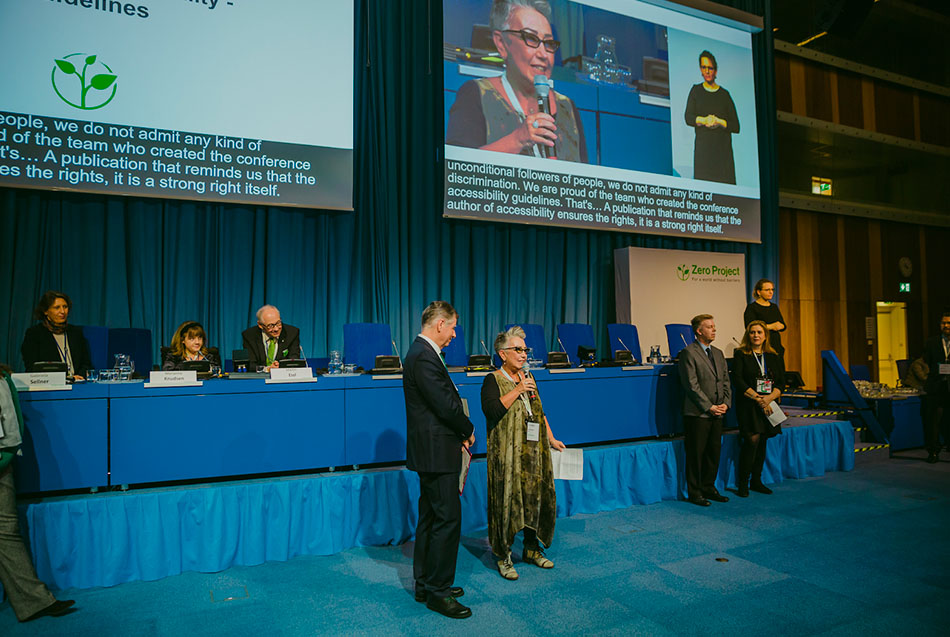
[(944, 369), (465, 407), (534, 431), (763, 385)]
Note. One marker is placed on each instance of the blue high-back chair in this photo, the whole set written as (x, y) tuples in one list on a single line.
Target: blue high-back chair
[(363, 342), (676, 334), (455, 353), (533, 338), (627, 333), (574, 334), (135, 341), (98, 338)]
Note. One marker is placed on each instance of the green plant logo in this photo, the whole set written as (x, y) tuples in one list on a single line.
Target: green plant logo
[(98, 80), (682, 271)]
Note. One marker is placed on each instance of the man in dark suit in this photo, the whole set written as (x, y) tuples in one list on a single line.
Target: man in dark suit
[(437, 427), (936, 404), (707, 397), (270, 341)]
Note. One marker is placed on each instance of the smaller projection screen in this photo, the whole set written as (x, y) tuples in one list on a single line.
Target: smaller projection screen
[(650, 107), (220, 100)]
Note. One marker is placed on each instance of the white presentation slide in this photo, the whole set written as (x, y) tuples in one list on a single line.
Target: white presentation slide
[(222, 100)]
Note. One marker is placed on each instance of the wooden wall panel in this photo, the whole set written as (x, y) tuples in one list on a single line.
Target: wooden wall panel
[(934, 119), (850, 101), (894, 109), (783, 83), (818, 92)]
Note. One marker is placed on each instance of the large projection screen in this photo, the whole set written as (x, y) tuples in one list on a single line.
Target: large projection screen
[(218, 100), (654, 109)]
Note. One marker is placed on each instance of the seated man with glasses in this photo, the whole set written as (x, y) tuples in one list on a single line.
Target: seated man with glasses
[(502, 113), (270, 341)]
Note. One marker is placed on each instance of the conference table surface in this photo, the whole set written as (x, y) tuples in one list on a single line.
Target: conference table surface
[(122, 433)]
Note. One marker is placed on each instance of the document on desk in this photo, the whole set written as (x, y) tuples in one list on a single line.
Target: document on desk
[(777, 417), (568, 464), (466, 463)]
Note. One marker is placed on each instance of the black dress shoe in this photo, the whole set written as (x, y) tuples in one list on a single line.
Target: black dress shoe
[(717, 497), (56, 609), (448, 607), (743, 491), (455, 591), (933, 457), (699, 501), (758, 487)]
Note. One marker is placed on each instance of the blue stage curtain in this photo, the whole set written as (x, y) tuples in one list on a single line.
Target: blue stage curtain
[(135, 262), (108, 539)]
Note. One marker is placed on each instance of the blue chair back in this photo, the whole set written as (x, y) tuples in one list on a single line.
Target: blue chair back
[(860, 372), (533, 338), (627, 333), (574, 334), (98, 338), (678, 336), (363, 342), (455, 354), (135, 341)]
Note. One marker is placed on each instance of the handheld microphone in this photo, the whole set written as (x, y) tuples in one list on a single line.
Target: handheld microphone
[(525, 369), (542, 89)]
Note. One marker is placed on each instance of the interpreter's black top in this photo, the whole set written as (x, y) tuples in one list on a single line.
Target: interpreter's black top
[(712, 151), (769, 314)]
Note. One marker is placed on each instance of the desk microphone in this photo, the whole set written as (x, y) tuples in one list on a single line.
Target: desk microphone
[(563, 349), (396, 352), (620, 340), (485, 348), (683, 338), (542, 89)]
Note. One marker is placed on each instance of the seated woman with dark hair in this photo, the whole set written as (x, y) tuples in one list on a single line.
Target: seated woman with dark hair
[(190, 343), (53, 339)]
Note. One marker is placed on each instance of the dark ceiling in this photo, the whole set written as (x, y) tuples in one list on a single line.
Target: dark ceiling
[(907, 37)]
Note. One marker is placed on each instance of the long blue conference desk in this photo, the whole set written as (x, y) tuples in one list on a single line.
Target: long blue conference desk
[(102, 435)]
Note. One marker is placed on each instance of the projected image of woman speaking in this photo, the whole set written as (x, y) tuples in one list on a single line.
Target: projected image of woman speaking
[(517, 112)]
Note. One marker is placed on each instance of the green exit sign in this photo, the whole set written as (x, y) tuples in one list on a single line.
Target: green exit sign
[(905, 287)]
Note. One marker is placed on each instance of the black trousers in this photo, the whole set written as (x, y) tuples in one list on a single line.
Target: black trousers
[(703, 446), (936, 416), (437, 534)]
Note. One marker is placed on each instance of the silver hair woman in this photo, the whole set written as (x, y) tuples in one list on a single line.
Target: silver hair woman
[(520, 477)]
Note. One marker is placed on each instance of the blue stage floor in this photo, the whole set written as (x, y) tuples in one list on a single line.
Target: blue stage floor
[(863, 552)]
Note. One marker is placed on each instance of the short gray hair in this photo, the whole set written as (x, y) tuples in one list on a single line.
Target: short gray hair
[(501, 11), (262, 309), (503, 338), (438, 310)]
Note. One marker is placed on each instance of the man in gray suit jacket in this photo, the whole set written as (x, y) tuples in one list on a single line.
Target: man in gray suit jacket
[(708, 395)]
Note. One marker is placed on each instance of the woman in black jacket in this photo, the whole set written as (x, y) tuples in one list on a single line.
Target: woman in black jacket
[(758, 373), (53, 339)]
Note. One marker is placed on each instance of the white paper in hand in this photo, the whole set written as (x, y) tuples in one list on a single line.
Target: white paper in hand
[(466, 462), (777, 417), (568, 464)]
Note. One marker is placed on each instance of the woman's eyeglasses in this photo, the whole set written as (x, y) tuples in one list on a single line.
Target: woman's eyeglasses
[(534, 41), (520, 350)]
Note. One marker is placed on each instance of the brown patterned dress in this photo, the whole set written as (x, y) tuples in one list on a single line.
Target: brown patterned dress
[(520, 477)]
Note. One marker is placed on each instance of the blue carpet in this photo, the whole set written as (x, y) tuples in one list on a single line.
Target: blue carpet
[(851, 553)]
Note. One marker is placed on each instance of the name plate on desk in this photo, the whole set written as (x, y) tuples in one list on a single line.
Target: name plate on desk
[(181, 378), (291, 375), (633, 368), (387, 377), (41, 381), (568, 370)]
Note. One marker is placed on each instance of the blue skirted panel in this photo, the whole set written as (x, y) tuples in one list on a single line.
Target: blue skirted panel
[(108, 539)]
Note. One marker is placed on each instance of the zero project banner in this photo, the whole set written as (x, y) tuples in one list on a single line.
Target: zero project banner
[(220, 100), (633, 116)]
